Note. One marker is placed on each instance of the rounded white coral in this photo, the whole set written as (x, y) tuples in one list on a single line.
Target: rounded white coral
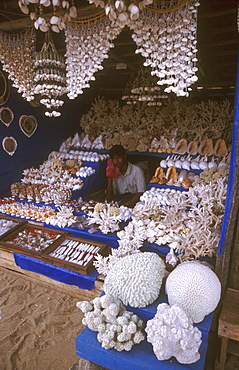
[(171, 333), (195, 288), (136, 279)]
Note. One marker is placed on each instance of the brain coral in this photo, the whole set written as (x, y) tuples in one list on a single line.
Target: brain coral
[(136, 279), (195, 288), (171, 333)]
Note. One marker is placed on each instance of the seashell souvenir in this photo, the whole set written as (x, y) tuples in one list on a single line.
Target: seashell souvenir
[(186, 165), (170, 162), (163, 163), (192, 148), (6, 115), (154, 180), (181, 147), (195, 165), (203, 164), (178, 163), (183, 175), (9, 145), (172, 174), (159, 173), (220, 148), (206, 147), (162, 181), (28, 125), (186, 183)]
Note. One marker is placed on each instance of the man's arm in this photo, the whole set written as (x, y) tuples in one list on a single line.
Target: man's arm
[(132, 201), (109, 190)]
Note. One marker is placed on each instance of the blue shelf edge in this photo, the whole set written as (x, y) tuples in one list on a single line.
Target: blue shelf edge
[(58, 273), (141, 356)]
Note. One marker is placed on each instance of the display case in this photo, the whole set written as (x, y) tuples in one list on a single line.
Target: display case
[(30, 239), (9, 225), (74, 253)]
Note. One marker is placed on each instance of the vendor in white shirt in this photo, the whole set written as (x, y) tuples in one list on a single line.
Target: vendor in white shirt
[(126, 181)]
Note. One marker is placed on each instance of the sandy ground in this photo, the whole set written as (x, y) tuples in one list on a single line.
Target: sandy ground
[(38, 327)]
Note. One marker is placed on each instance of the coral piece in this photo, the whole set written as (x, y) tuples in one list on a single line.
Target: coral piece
[(117, 328), (108, 217), (171, 333), (136, 279), (195, 288)]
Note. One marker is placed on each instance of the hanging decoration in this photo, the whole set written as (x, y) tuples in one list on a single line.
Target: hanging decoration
[(28, 125), (6, 115), (86, 48), (55, 19), (143, 88), (4, 89), (18, 58), (50, 77), (167, 39), (122, 10), (9, 144)]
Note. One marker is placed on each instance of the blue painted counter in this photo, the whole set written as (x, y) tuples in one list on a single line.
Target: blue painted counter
[(141, 357), (56, 272)]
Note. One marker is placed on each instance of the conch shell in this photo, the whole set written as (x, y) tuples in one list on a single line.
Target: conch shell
[(159, 173), (172, 174), (206, 147), (181, 147), (192, 148), (220, 148)]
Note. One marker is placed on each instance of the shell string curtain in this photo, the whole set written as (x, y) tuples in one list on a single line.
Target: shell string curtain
[(18, 59), (86, 48)]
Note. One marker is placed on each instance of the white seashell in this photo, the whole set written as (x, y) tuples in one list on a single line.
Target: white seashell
[(195, 165), (73, 12), (24, 9), (183, 175), (44, 27), (54, 20), (178, 163), (55, 28), (163, 163), (33, 15), (133, 9), (212, 164), (170, 162), (122, 17), (203, 165), (221, 164), (186, 165)]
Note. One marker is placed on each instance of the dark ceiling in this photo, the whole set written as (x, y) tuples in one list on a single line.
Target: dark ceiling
[(217, 45)]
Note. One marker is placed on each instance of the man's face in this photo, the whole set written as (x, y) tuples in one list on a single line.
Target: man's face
[(119, 161)]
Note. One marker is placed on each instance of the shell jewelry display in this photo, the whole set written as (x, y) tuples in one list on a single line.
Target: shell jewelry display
[(18, 59), (6, 116), (171, 333), (195, 288), (9, 144), (116, 327), (28, 125), (136, 279)]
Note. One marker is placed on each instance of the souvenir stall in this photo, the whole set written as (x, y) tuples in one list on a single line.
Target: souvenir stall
[(158, 262)]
